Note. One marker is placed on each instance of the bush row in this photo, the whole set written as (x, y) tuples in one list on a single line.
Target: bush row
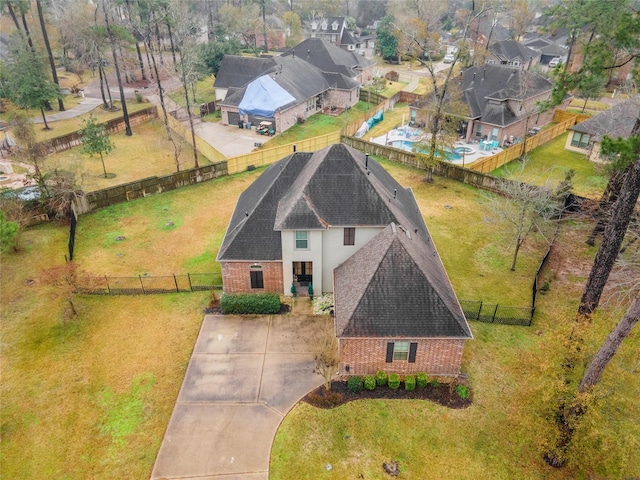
[(356, 383), (250, 303)]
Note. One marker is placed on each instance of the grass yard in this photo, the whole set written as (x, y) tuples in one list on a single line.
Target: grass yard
[(513, 372), (319, 124), (204, 93), (144, 154), (64, 127), (549, 163), (99, 389)]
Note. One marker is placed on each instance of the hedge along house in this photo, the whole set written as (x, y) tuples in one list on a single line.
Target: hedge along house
[(395, 309), (312, 212), (501, 103)]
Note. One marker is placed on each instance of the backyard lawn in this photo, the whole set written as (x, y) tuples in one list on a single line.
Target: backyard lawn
[(99, 388), (144, 154), (548, 165)]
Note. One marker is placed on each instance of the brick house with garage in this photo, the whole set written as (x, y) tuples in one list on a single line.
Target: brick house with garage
[(337, 220)]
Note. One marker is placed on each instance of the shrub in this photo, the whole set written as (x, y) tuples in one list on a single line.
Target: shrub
[(381, 378), (369, 382), (250, 303), (462, 391), (421, 379), (394, 381), (355, 383), (329, 399), (434, 383), (409, 382)]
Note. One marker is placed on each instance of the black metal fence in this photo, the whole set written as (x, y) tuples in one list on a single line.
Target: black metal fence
[(493, 313), (73, 221), (144, 285)]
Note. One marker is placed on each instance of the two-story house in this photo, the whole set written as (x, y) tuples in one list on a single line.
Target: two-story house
[(337, 220), (512, 54)]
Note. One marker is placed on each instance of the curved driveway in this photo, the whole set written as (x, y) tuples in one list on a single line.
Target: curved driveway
[(244, 375)]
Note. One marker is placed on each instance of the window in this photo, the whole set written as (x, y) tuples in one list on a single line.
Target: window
[(580, 140), (349, 236), (479, 131), (256, 279), (302, 241), (401, 352)]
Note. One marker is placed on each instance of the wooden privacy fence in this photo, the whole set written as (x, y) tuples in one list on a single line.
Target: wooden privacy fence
[(489, 164), (146, 285), (267, 156), (73, 139), (202, 146)]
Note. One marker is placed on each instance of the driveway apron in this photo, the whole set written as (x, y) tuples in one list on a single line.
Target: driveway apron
[(244, 375)]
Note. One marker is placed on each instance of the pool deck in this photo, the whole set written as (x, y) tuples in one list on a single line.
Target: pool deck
[(416, 135)]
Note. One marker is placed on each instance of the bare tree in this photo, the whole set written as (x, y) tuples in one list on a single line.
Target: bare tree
[(64, 278), (325, 348), (52, 62)]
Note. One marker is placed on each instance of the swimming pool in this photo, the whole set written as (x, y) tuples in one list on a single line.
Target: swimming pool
[(450, 155)]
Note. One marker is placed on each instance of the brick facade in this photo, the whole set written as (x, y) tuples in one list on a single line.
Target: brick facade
[(433, 356), (236, 277)]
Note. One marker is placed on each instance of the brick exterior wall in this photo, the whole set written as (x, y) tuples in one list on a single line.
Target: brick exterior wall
[(433, 356), (236, 277), (343, 98)]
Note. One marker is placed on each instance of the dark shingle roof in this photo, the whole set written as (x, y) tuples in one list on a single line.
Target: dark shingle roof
[(330, 187), (237, 71), (334, 189), (509, 50), (329, 58), (396, 286), (617, 122), (250, 235), (487, 88)]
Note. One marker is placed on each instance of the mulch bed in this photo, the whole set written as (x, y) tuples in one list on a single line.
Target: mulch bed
[(340, 394)]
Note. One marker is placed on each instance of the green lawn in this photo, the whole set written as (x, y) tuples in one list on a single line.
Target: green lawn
[(99, 389), (513, 372), (144, 154), (204, 93), (318, 124), (548, 164)]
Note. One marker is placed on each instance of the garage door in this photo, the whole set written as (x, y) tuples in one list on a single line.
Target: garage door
[(234, 118)]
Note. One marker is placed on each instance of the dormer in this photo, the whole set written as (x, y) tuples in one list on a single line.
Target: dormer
[(314, 25), (324, 25), (334, 26)]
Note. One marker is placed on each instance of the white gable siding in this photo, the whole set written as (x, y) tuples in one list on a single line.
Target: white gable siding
[(312, 254), (335, 252)]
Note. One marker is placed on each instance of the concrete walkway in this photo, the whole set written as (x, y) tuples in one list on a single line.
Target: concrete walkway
[(85, 106), (245, 374)]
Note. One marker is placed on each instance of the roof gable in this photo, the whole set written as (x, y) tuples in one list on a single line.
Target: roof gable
[(328, 58), (396, 286), (617, 122), (509, 50), (237, 71)]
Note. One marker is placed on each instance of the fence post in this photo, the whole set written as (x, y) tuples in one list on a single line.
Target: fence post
[(142, 284), (189, 277), (494, 314), (106, 280), (176, 282), (479, 310)]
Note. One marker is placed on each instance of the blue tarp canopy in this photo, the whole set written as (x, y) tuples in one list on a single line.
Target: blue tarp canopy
[(263, 97)]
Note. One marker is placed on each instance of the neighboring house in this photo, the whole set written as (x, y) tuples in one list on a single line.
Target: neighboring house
[(283, 90), (329, 58), (501, 101), (617, 122), (548, 50), (334, 30), (512, 54), (337, 220)]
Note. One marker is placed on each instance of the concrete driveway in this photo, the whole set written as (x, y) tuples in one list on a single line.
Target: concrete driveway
[(244, 375), (229, 140)]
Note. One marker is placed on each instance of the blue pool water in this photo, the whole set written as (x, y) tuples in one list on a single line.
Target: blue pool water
[(450, 155)]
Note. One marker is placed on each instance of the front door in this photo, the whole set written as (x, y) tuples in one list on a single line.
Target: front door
[(303, 273)]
